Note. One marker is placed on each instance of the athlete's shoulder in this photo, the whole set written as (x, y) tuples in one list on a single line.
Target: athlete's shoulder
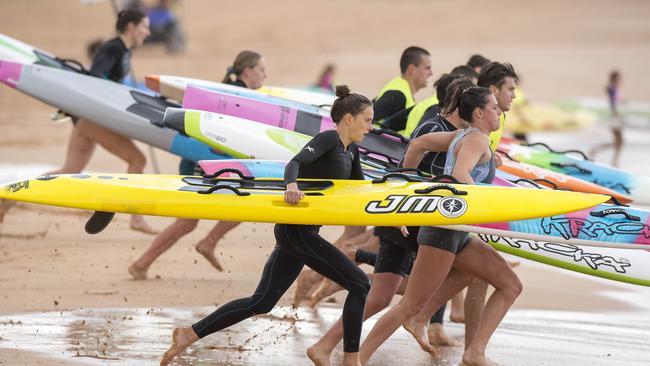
[(113, 47), (324, 140), (435, 124), (329, 134)]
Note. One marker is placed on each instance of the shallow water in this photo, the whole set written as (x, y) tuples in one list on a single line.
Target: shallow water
[(140, 336)]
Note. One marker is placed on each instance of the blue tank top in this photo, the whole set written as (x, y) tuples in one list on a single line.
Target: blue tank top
[(482, 173)]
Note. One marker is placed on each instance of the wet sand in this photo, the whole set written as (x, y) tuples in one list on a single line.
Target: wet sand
[(138, 337), (55, 276)]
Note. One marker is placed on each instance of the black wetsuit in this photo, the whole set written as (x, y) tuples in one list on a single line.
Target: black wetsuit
[(390, 110), (112, 61), (297, 245), (238, 82), (431, 113), (433, 162)]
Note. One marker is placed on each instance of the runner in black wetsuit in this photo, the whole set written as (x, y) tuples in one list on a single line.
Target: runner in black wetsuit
[(250, 71), (112, 61), (395, 257), (329, 155)]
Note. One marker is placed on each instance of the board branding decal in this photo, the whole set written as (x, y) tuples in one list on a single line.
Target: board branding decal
[(13, 188), (572, 227), (579, 255), (450, 207)]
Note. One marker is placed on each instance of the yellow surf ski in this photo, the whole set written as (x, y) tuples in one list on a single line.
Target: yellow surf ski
[(327, 202)]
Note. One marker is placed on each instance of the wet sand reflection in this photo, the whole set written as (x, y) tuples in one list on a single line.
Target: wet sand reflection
[(140, 336)]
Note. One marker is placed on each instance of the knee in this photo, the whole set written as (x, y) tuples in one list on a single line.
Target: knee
[(261, 306), (361, 285), (514, 289)]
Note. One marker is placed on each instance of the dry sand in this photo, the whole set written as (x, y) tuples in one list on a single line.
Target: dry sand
[(49, 264)]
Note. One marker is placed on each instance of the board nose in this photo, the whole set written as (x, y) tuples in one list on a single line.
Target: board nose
[(10, 73)]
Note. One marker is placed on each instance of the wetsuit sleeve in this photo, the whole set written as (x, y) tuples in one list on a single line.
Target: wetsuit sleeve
[(391, 102), (397, 121), (320, 145), (104, 61), (356, 173)]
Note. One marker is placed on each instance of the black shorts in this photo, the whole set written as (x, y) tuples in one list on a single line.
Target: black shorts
[(396, 252), (445, 239)]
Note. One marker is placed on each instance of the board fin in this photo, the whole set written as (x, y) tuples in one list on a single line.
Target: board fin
[(98, 222)]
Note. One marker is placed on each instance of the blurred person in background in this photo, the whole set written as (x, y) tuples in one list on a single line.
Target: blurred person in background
[(616, 122)]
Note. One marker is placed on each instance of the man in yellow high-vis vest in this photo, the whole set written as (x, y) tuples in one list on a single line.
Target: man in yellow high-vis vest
[(395, 100)]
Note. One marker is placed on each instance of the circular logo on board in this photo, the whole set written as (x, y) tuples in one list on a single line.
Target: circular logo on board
[(452, 207)]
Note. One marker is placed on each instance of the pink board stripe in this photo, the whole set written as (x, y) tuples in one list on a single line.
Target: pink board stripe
[(10, 73)]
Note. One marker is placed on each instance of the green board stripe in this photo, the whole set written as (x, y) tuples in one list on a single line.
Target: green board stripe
[(10, 46), (193, 128), (572, 267)]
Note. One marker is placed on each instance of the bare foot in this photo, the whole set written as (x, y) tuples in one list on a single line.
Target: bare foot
[(419, 332), (326, 288), (307, 280), (138, 224), (5, 205), (476, 359), (207, 251), (181, 339), (319, 356), (438, 337), (457, 314), (138, 273)]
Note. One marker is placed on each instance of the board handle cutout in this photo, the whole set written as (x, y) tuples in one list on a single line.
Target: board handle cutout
[(615, 211), (224, 186), (229, 170), (571, 165), (564, 152), (439, 187)]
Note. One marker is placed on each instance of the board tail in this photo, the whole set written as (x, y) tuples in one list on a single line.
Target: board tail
[(175, 118)]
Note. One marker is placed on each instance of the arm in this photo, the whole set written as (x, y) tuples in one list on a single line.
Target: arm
[(357, 172), (470, 152), (438, 141), (397, 121), (314, 149), (390, 103)]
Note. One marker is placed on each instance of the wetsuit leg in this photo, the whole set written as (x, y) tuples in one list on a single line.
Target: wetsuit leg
[(365, 257), (280, 271), (323, 257)]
